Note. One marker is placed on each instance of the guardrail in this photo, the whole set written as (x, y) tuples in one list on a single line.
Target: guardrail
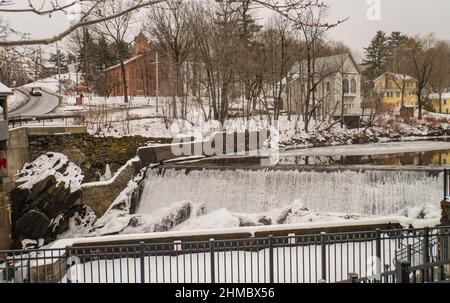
[(18, 121), (315, 258)]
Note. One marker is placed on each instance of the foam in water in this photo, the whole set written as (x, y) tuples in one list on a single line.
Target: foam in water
[(369, 193)]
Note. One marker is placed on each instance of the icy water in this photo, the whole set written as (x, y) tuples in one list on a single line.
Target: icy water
[(374, 192), (417, 153)]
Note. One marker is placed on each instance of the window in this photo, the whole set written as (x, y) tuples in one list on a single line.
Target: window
[(328, 86), (353, 86), (346, 87), (445, 102), (398, 94)]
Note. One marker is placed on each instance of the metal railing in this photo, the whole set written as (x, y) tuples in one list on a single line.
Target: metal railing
[(67, 119), (362, 256)]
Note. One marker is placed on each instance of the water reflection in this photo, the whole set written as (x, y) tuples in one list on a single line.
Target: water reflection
[(430, 158)]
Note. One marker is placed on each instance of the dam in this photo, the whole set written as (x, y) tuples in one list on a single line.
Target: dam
[(375, 192)]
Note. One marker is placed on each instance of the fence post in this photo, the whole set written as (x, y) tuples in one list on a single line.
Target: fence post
[(28, 266), (378, 252), (445, 184), (426, 253), (142, 250), (324, 256), (402, 271), (212, 260), (68, 266), (271, 260)]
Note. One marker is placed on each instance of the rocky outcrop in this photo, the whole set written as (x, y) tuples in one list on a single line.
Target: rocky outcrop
[(46, 196)]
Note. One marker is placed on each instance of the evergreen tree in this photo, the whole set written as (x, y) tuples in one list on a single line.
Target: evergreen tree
[(85, 57), (63, 61), (396, 39), (376, 56)]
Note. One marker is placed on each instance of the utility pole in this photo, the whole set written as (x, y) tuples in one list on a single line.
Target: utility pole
[(59, 68), (157, 82)]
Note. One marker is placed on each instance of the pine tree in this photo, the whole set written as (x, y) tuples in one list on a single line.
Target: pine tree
[(62, 61), (396, 39), (376, 56), (85, 57)]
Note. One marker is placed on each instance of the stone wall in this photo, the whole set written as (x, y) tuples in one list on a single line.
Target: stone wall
[(90, 153)]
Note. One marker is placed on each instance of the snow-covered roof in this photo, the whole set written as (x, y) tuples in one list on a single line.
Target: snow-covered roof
[(401, 77), (443, 96), (4, 90), (323, 65), (125, 62)]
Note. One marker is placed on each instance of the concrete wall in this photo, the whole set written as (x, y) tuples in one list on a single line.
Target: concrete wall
[(18, 145), (17, 149), (5, 222), (100, 195), (221, 144)]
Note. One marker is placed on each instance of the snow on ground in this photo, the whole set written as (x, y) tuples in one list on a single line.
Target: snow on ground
[(49, 84), (15, 101)]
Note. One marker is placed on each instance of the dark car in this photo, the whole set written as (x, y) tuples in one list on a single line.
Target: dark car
[(36, 91)]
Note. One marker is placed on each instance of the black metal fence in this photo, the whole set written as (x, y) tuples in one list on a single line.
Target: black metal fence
[(413, 255)]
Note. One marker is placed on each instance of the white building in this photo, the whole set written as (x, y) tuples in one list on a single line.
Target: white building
[(338, 78)]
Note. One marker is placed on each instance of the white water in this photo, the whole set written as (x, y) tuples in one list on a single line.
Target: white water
[(368, 193)]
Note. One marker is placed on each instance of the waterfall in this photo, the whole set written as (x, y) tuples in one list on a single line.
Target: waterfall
[(372, 192)]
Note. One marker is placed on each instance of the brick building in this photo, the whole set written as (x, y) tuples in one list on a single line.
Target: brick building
[(147, 73)]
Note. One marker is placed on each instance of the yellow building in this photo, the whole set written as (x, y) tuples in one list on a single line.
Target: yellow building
[(396, 90), (444, 108)]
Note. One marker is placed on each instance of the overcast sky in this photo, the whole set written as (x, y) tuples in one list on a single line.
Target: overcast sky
[(409, 16)]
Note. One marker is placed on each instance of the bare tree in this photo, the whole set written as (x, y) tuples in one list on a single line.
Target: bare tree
[(85, 13), (312, 31), (170, 27), (116, 31), (422, 53), (216, 36), (400, 67), (440, 77)]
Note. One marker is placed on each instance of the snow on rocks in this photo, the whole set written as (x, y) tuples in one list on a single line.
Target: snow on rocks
[(46, 197), (51, 164)]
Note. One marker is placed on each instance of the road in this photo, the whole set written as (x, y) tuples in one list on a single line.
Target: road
[(37, 106)]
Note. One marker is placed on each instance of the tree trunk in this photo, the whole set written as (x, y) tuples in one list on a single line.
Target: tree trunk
[(124, 82), (419, 100)]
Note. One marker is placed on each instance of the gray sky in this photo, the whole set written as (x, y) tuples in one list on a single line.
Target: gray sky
[(409, 16)]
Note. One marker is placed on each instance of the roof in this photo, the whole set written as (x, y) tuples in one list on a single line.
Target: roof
[(443, 96), (125, 62), (324, 65), (398, 76), (4, 90)]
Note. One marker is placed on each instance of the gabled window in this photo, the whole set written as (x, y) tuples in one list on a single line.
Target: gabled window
[(345, 86), (353, 86)]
